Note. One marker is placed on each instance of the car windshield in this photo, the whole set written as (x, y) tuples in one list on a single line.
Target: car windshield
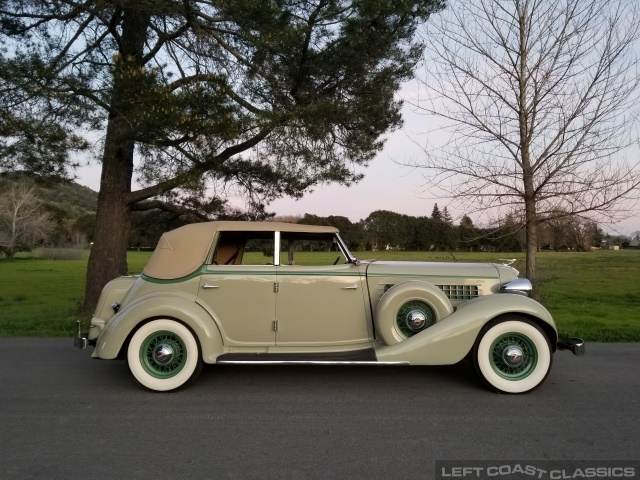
[(306, 248), (352, 258)]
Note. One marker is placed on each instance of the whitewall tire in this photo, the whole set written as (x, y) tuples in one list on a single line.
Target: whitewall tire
[(164, 355), (512, 355)]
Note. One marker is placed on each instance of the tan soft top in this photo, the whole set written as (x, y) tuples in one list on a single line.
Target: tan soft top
[(183, 250)]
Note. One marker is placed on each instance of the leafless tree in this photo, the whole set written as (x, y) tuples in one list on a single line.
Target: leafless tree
[(574, 232), (538, 102), (583, 233), (23, 222)]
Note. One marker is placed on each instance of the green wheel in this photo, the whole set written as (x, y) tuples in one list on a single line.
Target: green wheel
[(413, 317), (409, 308), (512, 355), (164, 355)]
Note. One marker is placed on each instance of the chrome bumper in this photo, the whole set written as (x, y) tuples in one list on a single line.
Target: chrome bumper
[(81, 339), (575, 344)]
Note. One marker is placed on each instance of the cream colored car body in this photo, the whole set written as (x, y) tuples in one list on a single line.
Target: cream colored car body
[(318, 309)]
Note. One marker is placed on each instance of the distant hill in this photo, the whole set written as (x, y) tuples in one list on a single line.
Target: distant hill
[(73, 208), (65, 195)]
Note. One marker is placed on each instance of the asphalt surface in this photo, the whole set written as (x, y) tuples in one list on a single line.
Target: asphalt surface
[(64, 415)]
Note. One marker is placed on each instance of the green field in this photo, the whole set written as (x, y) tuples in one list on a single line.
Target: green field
[(594, 295)]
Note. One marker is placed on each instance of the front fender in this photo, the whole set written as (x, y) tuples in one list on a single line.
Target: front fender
[(448, 341), (179, 306)]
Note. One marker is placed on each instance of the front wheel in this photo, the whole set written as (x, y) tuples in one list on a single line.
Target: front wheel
[(164, 355), (512, 355)]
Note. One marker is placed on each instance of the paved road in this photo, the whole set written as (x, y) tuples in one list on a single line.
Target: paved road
[(66, 416)]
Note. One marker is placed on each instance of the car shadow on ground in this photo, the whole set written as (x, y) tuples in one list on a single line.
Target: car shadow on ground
[(350, 378), (347, 377)]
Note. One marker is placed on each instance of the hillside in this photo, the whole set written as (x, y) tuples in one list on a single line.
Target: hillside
[(64, 195), (73, 208)]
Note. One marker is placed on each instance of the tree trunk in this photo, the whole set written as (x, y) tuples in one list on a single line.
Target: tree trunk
[(531, 229), (530, 211), (108, 258)]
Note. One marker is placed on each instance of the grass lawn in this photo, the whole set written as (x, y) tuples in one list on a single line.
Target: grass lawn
[(40, 297), (593, 295)]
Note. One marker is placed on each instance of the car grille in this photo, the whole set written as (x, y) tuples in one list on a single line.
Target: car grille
[(459, 292)]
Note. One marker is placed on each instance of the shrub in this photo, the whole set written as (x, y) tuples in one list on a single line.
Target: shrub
[(61, 253)]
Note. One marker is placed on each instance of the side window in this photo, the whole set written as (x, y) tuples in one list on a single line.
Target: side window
[(244, 248), (309, 249)]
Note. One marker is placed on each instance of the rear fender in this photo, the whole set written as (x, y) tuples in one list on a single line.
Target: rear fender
[(180, 307), (113, 292), (448, 341)]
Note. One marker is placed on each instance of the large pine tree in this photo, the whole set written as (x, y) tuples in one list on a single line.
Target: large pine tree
[(261, 98)]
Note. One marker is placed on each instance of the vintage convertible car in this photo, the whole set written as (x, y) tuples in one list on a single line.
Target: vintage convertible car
[(268, 292)]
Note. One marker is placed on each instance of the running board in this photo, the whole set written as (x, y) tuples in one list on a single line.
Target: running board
[(365, 356), (302, 362)]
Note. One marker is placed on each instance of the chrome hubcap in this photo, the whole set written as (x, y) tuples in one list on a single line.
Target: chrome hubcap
[(163, 354), (415, 320), (413, 317), (513, 356)]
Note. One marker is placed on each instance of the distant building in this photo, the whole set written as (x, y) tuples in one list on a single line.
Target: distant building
[(634, 245)]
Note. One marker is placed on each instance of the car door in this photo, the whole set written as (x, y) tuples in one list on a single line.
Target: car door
[(318, 303), (238, 287)]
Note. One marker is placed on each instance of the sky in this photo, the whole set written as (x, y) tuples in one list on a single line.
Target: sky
[(387, 184)]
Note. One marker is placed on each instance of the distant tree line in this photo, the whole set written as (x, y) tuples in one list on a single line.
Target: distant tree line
[(62, 223), (386, 230)]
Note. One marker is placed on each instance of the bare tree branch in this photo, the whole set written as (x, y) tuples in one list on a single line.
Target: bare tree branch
[(197, 170), (540, 98), (168, 207)]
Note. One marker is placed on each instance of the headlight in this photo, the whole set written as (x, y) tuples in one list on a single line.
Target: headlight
[(520, 286)]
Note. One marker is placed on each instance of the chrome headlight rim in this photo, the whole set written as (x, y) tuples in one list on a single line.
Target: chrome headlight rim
[(519, 286)]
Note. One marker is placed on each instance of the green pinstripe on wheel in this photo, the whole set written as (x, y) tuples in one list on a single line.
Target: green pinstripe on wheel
[(163, 354), (513, 356)]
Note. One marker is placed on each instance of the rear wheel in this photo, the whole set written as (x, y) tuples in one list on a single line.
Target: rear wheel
[(164, 355), (512, 355)]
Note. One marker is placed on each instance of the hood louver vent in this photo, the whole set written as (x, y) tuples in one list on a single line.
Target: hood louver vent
[(459, 292)]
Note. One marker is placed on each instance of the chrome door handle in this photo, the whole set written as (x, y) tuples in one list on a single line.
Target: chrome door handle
[(350, 287), (206, 285)]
